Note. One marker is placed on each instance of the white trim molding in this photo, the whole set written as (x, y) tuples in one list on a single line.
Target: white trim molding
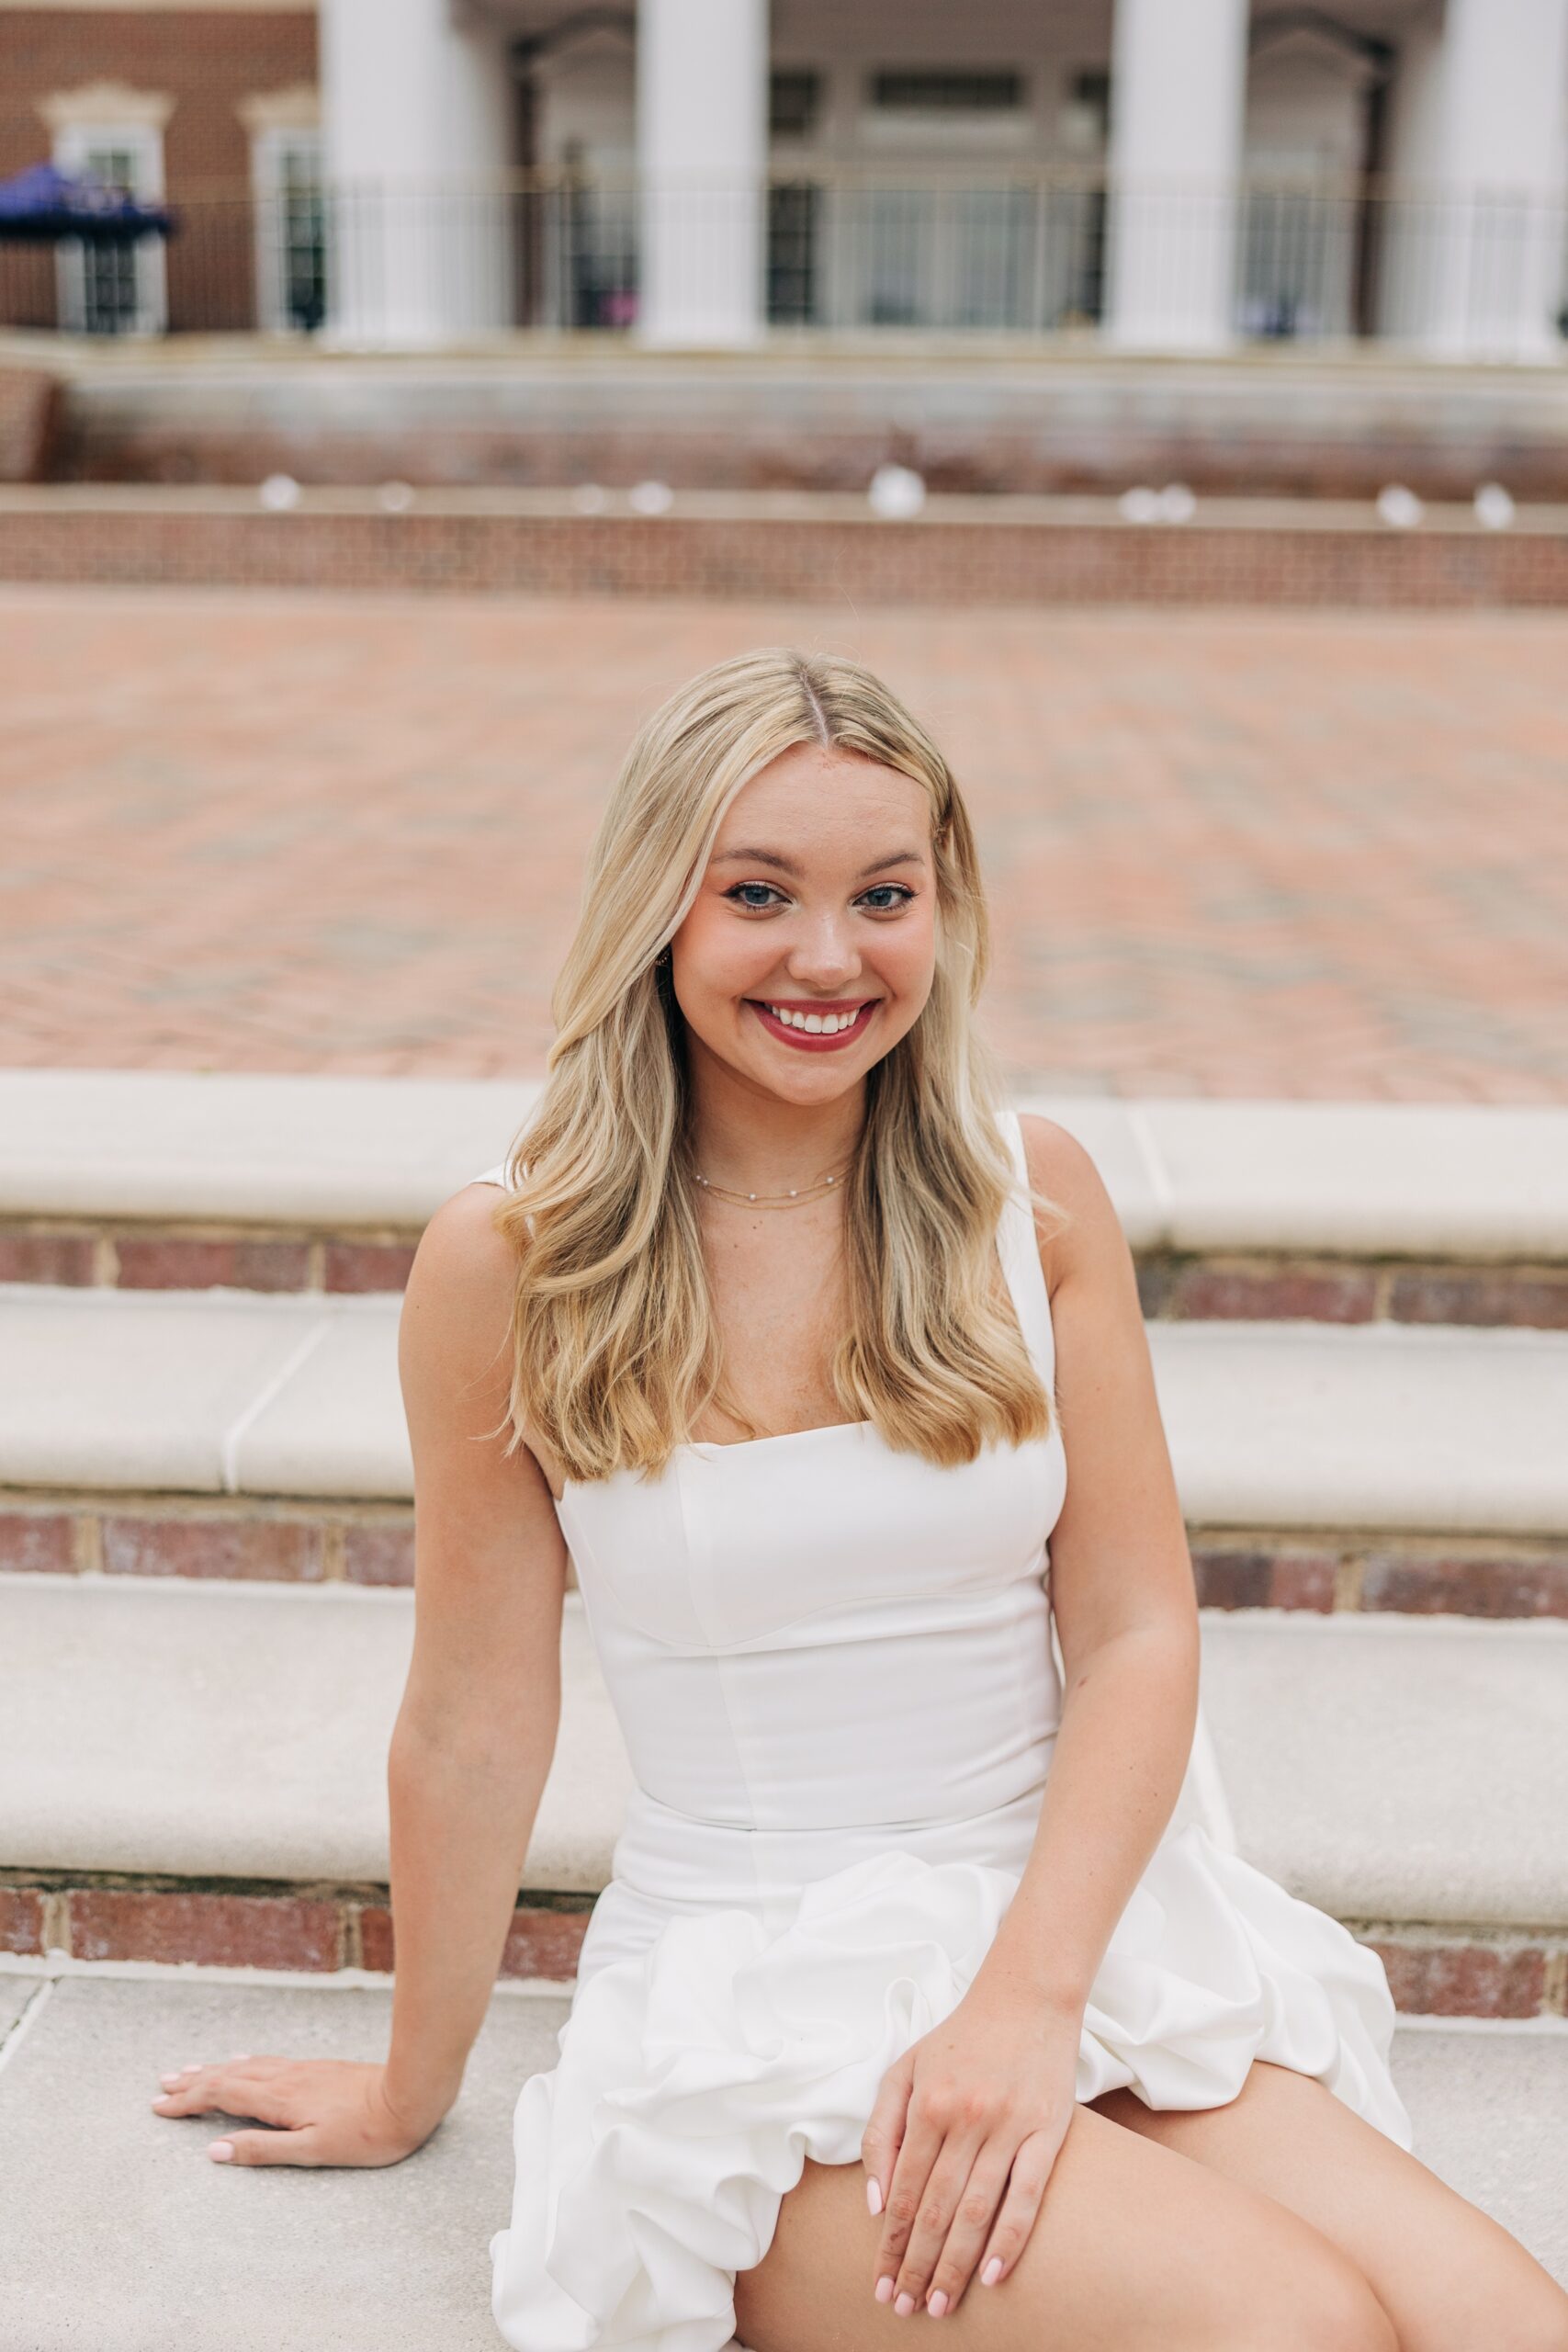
[(97, 106), (285, 168), (298, 108)]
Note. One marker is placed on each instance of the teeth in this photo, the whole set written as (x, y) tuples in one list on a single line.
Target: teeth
[(815, 1023)]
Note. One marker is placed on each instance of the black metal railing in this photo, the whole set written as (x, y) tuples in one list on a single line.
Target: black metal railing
[(1023, 255)]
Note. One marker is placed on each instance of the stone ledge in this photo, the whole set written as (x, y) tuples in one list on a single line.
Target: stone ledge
[(395, 2258), (339, 2260), (248, 1149), (240, 1731), (1390, 1770), (1000, 512), (1412, 1428), (1188, 1175)]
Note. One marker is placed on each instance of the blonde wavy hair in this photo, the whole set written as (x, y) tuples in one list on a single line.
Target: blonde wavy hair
[(614, 1351)]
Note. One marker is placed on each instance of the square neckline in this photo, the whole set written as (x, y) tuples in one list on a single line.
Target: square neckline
[(775, 1437), (721, 1445)]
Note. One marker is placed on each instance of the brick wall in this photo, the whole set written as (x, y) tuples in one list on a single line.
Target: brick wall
[(208, 60), (29, 422), (210, 537)]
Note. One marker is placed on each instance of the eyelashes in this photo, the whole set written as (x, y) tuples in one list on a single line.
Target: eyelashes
[(750, 906)]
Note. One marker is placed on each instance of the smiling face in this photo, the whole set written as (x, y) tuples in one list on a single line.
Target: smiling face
[(811, 946)]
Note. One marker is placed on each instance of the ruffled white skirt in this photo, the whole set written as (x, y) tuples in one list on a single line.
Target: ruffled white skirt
[(696, 2076)]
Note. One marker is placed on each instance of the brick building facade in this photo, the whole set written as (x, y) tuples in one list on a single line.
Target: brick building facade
[(198, 98), (1176, 177)]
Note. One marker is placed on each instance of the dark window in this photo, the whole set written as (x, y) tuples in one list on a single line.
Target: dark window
[(1089, 88), (795, 98), (942, 90), (793, 211)]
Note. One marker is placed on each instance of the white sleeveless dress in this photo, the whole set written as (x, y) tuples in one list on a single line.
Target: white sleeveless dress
[(832, 1667)]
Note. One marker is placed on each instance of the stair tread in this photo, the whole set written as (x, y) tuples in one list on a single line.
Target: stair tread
[(1418, 1428), (1383, 1768), (1185, 1173)]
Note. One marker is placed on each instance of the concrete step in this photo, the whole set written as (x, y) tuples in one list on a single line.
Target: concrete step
[(397, 2258), (1378, 1465), (196, 1770), (1185, 1173), (1012, 416), (1338, 1212)]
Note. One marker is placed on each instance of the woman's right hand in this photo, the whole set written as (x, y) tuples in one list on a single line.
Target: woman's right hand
[(321, 2110)]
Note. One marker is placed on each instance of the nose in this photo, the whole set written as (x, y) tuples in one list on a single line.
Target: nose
[(823, 955)]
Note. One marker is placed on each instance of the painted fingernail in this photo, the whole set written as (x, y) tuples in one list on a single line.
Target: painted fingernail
[(936, 2302), (873, 2193), (904, 2304), (883, 2291), (992, 2271), (168, 2081), (221, 2151)]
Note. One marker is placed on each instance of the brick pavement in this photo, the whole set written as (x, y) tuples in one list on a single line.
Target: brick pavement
[(1282, 854)]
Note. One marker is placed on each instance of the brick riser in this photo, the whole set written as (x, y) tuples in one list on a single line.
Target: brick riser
[(1264, 1287), (1437, 1971), (924, 561), (75, 1255), (243, 1539)]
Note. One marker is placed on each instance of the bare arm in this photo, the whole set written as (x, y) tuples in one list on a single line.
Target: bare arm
[(473, 1740), (1125, 1604), (476, 1731)]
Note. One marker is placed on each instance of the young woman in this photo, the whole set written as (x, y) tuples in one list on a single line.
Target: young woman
[(791, 1331)]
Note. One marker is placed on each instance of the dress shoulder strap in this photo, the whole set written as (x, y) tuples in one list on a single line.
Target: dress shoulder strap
[(1019, 1253), (496, 1175)]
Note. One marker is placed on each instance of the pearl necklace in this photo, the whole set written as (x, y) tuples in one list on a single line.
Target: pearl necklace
[(771, 1200)]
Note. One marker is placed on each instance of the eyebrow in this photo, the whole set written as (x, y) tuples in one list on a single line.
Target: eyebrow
[(786, 865)]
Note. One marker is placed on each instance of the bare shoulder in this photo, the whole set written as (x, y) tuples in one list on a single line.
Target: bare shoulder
[(489, 1557), (1090, 1232), (456, 1309)]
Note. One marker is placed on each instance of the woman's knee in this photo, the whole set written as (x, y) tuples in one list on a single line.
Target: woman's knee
[(1331, 2307)]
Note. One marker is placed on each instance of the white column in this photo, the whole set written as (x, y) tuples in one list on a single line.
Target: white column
[(416, 107), (1177, 100), (1501, 165), (702, 137), (1403, 285)]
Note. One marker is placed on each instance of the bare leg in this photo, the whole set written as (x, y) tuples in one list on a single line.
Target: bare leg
[(1449, 2276), (1136, 2248)]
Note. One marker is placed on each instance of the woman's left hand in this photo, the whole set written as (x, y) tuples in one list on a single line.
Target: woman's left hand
[(962, 2141)]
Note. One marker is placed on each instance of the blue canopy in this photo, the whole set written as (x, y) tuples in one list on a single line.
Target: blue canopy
[(43, 203)]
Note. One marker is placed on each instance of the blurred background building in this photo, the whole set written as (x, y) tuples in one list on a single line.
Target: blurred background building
[(1168, 174)]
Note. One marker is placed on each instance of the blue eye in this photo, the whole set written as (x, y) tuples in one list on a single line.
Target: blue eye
[(877, 890)]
